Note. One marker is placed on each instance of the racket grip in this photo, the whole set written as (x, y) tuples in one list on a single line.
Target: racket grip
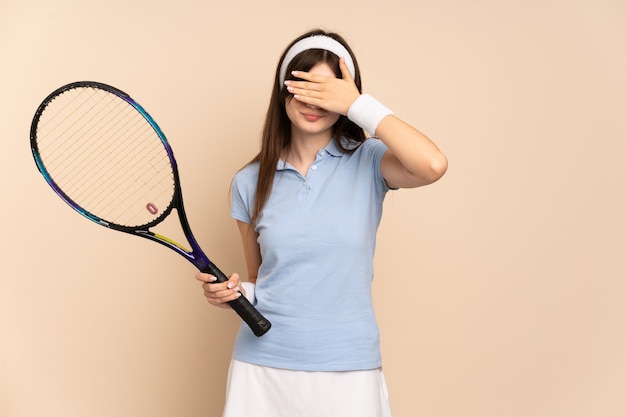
[(255, 320)]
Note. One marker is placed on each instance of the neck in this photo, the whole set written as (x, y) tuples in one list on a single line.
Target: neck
[(303, 150)]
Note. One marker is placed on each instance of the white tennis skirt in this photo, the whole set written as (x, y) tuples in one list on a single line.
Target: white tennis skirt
[(259, 391)]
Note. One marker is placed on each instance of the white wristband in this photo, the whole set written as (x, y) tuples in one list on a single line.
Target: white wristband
[(249, 288), (367, 112)]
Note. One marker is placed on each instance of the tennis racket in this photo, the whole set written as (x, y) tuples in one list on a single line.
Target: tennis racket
[(105, 156)]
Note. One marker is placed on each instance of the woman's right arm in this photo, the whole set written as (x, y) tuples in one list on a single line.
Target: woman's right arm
[(251, 249), (219, 294)]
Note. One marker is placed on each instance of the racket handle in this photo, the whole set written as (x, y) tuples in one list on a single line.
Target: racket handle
[(255, 320)]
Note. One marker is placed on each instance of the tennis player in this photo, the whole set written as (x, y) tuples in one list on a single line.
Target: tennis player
[(308, 207)]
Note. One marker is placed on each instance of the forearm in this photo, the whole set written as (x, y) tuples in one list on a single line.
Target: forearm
[(251, 249), (413, 159)]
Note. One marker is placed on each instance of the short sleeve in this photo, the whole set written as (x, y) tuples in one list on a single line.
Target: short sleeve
[(373, 150), (242, 194)]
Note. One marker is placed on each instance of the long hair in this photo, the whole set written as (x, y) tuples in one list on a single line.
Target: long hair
[(276, 135)]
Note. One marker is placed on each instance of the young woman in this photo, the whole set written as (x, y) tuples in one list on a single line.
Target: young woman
[(308, 207)]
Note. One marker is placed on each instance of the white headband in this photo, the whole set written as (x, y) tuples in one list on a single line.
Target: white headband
[(316, 42)]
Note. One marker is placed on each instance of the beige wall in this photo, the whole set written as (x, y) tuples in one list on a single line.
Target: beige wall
[(499, 290)]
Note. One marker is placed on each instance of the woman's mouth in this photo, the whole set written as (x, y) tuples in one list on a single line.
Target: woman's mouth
[(312, 117)]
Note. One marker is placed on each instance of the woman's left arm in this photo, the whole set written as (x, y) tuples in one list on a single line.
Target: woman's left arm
[(412, 160)]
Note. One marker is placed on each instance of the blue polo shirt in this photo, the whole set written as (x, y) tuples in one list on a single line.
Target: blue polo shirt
[(317, 235)]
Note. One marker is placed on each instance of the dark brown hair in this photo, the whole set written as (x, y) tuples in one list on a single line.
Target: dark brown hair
[(276, 134)]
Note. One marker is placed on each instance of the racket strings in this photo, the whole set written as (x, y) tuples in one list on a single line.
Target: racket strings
[(143, 175), (104, 154), (114, 168), (84, 155)]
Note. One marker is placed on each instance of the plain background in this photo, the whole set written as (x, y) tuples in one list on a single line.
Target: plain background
[(499, 290)]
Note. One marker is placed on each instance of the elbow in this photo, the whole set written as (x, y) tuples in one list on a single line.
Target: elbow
[(426, 171), (436, 169)]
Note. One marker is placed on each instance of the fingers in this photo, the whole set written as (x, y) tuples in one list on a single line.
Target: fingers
[(309, 76), (310, 89), (334, 95), (329, 93), (220, 293), (306, 92), (318, 78), (345, 71), (313, 85)]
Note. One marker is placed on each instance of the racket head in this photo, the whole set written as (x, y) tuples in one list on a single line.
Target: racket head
[(105, 156)]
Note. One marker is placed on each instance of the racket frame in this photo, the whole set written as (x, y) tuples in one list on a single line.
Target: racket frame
[(258, 324)]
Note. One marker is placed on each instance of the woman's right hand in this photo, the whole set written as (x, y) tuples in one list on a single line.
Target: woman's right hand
[(220, 293)]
